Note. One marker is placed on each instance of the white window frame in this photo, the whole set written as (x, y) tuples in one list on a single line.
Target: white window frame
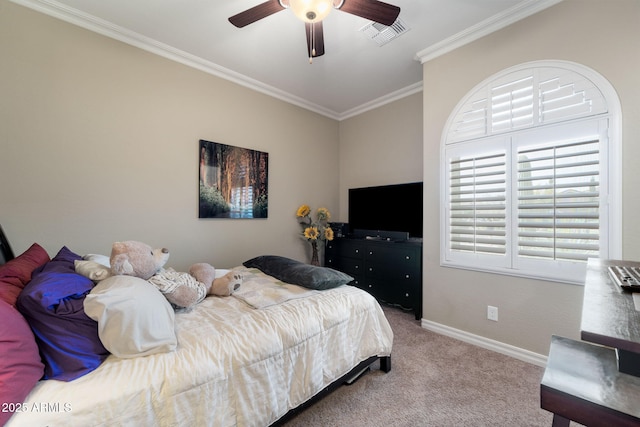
[(603, 123)]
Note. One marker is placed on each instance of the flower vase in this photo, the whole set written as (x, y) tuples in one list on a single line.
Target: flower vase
[(314, 256)]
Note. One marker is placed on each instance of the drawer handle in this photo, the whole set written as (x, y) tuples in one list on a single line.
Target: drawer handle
[(408, 257), (370, 268), (357, 250), (406, 277), (370, 252)]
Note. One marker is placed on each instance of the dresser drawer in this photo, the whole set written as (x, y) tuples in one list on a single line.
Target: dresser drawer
[(399, 256), (351, 249), (394, 277), (352, 266)]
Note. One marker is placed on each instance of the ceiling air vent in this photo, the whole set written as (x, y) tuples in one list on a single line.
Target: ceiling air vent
[(382, 34)]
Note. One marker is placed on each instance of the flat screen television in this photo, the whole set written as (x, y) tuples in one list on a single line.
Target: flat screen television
[(395, 207)]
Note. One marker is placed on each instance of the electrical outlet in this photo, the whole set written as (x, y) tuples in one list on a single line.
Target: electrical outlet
[(492, 313)]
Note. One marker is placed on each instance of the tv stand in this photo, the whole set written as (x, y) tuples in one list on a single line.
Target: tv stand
[(389, 270), (391, 236)]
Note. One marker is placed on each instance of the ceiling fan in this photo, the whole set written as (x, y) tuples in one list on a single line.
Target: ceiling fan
[(312, 12)]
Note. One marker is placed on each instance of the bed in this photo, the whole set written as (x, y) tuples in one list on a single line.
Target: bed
[(251, 359)]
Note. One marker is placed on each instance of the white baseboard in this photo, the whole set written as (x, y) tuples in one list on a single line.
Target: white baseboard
[(497, 346)]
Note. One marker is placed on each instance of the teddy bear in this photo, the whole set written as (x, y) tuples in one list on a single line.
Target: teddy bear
[(182, 290)]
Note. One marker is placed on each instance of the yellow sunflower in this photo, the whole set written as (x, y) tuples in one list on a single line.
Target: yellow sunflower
[(323, 214), (328, 233), (303, 211), (311, 233)]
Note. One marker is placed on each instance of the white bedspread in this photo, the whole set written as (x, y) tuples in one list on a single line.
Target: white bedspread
[(235, 365), (261, 291)]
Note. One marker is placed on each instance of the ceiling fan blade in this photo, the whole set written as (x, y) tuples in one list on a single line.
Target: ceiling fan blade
[(315, 39), (375, 10), (256, 13)]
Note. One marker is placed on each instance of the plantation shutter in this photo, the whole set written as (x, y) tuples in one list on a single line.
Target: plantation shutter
[(525, 180), (511, 105), (525, 99), (558, 201), (477, 204)]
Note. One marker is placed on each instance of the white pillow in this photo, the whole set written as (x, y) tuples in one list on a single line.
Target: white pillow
[(134, 318), (100, 259), (91, 269)]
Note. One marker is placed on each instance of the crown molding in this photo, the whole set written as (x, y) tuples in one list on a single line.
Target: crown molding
[(386, 99), (520, 11), (105, 28)]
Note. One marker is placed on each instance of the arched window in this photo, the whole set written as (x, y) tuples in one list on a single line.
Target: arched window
[(530, 173)]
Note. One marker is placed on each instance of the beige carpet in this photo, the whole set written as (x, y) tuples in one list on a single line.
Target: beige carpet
[(434, 381)]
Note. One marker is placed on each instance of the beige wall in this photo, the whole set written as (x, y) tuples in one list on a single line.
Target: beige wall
[(99, 142), (603, 35), (381, 146)]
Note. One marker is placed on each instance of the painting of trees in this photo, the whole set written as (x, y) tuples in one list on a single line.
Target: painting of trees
[(233, 181)]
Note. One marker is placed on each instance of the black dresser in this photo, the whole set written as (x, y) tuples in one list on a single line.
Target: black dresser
[(390, 271)]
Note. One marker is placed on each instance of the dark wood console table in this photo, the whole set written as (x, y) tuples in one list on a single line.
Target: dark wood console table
[(596, 381)]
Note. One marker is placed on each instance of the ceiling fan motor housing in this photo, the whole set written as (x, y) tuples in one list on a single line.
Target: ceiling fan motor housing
[(311, 10)]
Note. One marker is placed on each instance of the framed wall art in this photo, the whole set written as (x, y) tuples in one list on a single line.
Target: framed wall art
[(233, 181)]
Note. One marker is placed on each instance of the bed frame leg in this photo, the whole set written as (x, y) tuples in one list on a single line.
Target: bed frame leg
[(385, 364)]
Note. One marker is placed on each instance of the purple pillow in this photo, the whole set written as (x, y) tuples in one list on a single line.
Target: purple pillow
[(20, 365), (53, 304)]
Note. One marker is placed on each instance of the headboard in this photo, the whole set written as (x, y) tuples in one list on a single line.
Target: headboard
[(6, 253)]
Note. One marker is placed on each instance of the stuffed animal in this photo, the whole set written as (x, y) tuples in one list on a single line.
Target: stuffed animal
[(182, 290), (222, 286), (137, 259)]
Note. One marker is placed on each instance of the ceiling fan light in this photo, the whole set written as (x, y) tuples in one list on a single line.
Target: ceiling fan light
[(311, 10)]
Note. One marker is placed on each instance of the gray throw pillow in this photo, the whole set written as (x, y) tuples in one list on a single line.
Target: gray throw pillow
[(298, 273)]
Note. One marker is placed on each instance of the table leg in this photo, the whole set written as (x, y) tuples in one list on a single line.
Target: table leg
[(559, 421)]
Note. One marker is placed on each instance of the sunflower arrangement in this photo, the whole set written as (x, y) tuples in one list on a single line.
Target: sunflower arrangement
[(315, 230)]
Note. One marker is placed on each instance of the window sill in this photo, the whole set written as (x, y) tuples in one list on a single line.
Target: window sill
[(567, 279)]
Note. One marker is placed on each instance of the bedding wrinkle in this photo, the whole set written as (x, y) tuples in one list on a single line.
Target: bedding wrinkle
[(234, 365), (262, 291)]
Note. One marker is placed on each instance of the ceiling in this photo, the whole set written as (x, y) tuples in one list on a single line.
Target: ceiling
[(270, 55)]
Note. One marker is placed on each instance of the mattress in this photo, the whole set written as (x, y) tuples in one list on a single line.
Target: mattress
[(235, 364)]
